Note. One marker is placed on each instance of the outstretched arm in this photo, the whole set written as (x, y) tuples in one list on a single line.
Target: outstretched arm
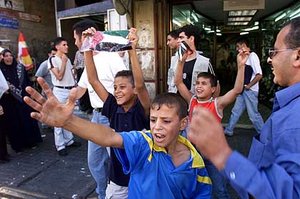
[(53, 113), (231, 95), (183, 90), (139, 83)]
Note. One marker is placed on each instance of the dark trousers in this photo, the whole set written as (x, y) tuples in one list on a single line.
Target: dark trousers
[(3, 145)]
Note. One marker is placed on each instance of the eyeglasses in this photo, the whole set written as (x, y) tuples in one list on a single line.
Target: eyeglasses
[(273, 52)]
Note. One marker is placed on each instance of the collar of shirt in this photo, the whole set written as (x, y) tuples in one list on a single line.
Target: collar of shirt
[(197, 161), (120, 109), (285, 96)]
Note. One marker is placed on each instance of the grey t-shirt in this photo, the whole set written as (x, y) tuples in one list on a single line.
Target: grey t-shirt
[(44, 72)]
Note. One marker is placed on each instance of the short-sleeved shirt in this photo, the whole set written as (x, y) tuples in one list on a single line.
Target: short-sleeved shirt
[(153, 174), (44, 72), (252, 68), (187, 73), (210, 104), (68, 78), (133, 119)]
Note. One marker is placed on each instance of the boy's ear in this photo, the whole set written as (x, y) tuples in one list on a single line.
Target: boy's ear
[(213, 89), (183, 123), (135, 91)]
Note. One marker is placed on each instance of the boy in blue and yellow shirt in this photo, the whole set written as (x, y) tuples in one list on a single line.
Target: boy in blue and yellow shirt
[(162, 164)]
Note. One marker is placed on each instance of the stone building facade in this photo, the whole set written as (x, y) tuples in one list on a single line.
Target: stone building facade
[(35, 19)]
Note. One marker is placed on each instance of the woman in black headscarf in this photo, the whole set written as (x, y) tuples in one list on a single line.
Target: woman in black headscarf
[(21, 129)]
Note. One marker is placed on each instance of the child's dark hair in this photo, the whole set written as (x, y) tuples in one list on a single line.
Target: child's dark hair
[(57, 41), (212, 78), (126, 73), (174, 34), (172, 100), (242, 40)]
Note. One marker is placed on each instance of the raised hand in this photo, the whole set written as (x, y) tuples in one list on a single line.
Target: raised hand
[(132, 37), (242, 57), (89, 32), (50, 110)]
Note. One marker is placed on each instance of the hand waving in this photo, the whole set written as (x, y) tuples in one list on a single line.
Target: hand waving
[(50, 110)]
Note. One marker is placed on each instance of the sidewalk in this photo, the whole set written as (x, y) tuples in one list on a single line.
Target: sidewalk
[(42, 173)]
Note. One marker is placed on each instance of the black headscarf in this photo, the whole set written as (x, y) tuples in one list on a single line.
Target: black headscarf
[(10, 71), (14, 73)]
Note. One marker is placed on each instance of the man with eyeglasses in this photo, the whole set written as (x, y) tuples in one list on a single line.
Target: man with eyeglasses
[(248, 99), (272, 169)]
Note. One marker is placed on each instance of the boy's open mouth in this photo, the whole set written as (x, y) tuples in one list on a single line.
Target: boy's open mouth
[(159, 137)]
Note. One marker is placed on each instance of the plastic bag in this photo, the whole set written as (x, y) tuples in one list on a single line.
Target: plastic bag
[(104, 42)]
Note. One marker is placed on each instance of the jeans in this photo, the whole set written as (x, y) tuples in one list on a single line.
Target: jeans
[(62, 137), (248, 99), (98, 159), (218, 181)]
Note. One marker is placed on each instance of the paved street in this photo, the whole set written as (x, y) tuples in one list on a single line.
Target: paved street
[(42, 173)]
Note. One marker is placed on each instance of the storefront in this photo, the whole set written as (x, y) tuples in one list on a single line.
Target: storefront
[(218, 40)]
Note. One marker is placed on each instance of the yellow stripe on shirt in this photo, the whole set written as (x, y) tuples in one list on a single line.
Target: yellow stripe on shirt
[(204, 179)]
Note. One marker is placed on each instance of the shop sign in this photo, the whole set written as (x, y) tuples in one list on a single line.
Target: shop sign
[(7, 21), (29, 17)]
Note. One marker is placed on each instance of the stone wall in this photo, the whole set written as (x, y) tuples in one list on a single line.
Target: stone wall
[(37, 22)]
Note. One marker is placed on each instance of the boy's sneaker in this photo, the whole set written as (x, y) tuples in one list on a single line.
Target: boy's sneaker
[(74, 144), (63, 152), (228, 133)]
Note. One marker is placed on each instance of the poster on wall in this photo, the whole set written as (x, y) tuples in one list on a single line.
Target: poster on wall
[(12, 4), (145, 33), (144, 23), (151, 89), (8, 20), (147, 63)]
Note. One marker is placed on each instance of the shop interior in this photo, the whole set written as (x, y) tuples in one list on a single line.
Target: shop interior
[(222, 22)]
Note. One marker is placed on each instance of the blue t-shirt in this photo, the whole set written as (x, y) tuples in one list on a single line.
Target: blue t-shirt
[(133, 119), (153, 174)]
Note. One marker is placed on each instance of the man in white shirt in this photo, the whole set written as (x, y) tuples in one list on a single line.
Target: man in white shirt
[(63, 81), (248, 99)]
